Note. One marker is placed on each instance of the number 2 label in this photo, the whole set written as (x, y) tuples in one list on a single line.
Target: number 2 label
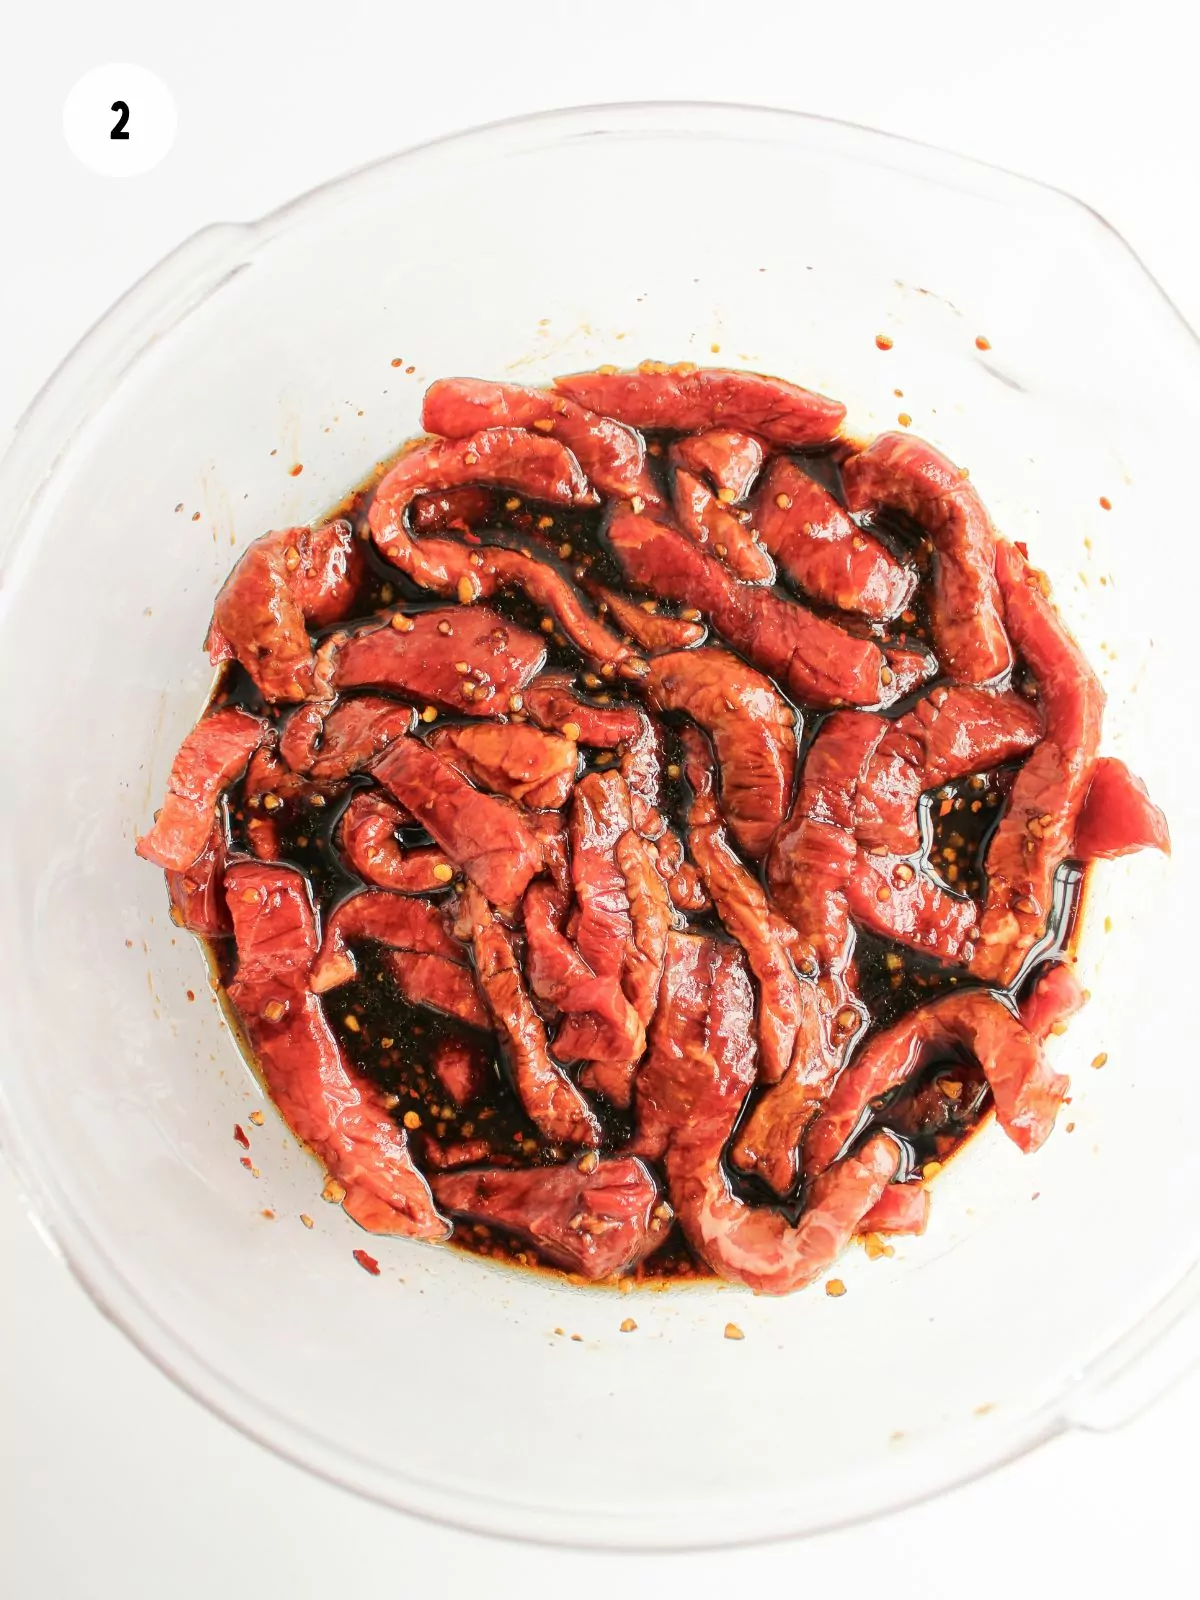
[(119, 120)]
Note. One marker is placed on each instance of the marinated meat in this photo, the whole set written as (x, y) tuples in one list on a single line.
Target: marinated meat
[(197, 893), (397, 921), (512, 759), (367, 834), (510, 769), (601, 925), (1026, 1092), (597, 1222), (901, 1208), (486, 838), (641, 969), (1118, 816), (287, 582), (612, 455), (753, 731), (685, 399), (887, 895), (510, 458), (814, 659), (730, 458), (648, 627), (1037, 831), (948, 734), (823, 552), (333, 744), (965, 607), (1054, 996), (457, 509), (215, 753), (553, 1103), (601, 1024), (690, 1091), (330, 1107), (746, 914), (440, 983), (461, 1067), (814, 854), (709, 523), (462, 658)]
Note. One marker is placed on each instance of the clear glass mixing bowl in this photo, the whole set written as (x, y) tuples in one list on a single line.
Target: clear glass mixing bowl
[(1048, 1291)]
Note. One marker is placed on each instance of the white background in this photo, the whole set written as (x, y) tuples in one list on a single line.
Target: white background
[(112, 1483)]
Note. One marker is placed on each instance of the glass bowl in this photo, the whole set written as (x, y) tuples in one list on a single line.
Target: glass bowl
[(245, 384)]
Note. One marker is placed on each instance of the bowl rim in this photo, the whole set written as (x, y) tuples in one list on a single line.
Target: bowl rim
[(1114, 1385)]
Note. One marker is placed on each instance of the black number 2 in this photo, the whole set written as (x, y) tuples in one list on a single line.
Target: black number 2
[(118, 131)]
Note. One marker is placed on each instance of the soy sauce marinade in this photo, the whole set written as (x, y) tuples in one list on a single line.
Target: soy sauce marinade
[(391, 1041)]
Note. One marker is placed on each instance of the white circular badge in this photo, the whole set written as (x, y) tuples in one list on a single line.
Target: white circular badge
[(119, 120)]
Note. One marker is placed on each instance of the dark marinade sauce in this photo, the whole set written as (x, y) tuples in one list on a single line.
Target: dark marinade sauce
[(392, 1041)]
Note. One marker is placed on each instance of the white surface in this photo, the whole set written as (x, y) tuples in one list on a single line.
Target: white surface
[(109, 1479)]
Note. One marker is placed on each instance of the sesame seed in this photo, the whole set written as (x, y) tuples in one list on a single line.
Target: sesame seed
[(465, 590), (403, 624), (429, 714), (412, 1120), (629, 1325), (443, 872), (784, 502), (571, 730)]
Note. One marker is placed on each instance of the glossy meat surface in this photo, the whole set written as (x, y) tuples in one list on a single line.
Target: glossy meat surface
[(536, 768), (367, 834), (612, 455), (1118, 816), (331, 1108), (551, 1100), (1027, 1092), (823, 552), (486, 838), (287, 581), (752, 729), (1037, 831), (595, 1223), (689, 398), (465, 659), (214, 753), (333, 744), (965, 607), (695, 822)]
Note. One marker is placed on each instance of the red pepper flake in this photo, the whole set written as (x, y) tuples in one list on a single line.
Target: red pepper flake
[(883, 341), (1106, 502), (398, 361), (366, 1262), (195, 516), (189, 994), (239, 1133), (981, 343), (410, 369), (248, 1164), (294, 472)]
